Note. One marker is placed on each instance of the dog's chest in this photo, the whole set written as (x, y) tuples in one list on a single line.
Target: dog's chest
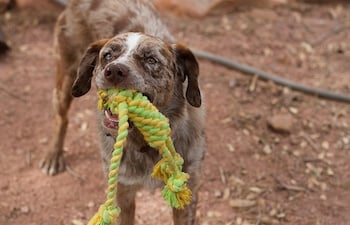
[(137, 167), (137, 162)]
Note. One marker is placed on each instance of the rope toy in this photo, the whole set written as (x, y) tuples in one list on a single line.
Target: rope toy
[(131, 105)]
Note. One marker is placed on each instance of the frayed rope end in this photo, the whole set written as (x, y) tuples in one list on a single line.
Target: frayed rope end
[(105, 216)]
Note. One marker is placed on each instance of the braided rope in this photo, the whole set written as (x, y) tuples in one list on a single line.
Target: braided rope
[(154, 126)]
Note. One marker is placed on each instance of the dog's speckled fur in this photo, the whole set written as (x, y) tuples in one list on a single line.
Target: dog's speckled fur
[(91, 40)]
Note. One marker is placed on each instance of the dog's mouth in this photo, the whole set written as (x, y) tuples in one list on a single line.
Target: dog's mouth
[(111, 120)]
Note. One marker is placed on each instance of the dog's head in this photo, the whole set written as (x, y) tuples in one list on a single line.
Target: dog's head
[(141, 62)]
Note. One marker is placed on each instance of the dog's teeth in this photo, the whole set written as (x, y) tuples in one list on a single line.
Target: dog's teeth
[(109, 117), (106, 114)]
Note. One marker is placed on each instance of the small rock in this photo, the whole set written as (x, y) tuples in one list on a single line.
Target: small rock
[(296, 153), (267, 52), (330, 172), (84, 126), (239, 220), (325, 145), (212, 214), (274, 101), (256, 190), (217, 194), (293, 110), (281, 215), (329, 154), (273, 212), (77, 222), (232, 83), (242, 203), (307, 47), (43, 140), (286, 91), (267, 149), (277, 140), (91, 204), (251, 196), (324, 186), (230, 148), (321, 155), (245, 222), (23, 48), (303, 144), (265, 219), (25, 209), (282, 123), (226, 194), (246, 132)]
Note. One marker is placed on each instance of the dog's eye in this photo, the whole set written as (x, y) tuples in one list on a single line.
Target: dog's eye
[(151, 60), (107, 56)]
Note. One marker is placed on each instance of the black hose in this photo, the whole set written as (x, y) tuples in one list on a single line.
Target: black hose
[(61, 2), (267, 76)]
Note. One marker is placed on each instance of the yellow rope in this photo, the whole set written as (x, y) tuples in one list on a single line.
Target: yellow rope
[(154, 126)]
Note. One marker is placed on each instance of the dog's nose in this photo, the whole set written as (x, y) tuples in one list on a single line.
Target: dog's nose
[(115, 73)]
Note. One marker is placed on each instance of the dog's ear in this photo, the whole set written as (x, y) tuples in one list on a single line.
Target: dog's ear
[(187, 67), (82, 83)]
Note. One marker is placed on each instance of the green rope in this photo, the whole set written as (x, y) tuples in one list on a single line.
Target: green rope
[(154, 126)]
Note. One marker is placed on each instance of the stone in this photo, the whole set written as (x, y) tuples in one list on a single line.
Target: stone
[(281, 123)]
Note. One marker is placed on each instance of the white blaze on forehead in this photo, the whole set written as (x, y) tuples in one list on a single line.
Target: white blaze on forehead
[(132, 41)]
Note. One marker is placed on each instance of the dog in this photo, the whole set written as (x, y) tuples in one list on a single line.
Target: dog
[(124, 44)]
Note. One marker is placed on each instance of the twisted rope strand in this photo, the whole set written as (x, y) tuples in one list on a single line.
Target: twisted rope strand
[(154, 126)]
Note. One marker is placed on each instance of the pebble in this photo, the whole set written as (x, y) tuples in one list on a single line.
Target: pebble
[(44, 140), (217, 194), (226, 194), (246, 132), (91, 205), (230, 148), (84, 126), (77, 222), (25, 209), (281, 123), (267, 149), (330, 172), (242, 203), (293, 110), (325, 145)]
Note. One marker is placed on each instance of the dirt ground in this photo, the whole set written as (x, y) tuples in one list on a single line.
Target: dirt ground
[(296, 173)]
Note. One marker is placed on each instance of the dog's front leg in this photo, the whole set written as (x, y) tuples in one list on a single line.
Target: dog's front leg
[(126, 201), (53, 161), (187, 216)]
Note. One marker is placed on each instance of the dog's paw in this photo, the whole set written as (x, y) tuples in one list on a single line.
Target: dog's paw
[(52, 164)]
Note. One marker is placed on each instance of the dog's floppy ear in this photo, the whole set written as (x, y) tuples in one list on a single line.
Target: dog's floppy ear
[(187, 66), (82, 83)]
